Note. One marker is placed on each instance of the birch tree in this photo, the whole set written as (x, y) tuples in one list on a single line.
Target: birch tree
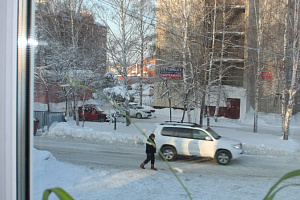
[(144, 16), (262, 26), (122, 36), (222, 28), (211, 58), (179, 20), (290, 68)]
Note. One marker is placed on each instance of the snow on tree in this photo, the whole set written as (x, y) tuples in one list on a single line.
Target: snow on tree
[(124, 36), (70, 41)]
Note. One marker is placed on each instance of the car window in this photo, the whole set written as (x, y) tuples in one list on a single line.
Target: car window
[(168, 131), (177, 132), (183, 132), (213, 133), (198, 134)]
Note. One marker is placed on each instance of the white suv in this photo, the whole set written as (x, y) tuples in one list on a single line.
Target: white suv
[(174, 138)]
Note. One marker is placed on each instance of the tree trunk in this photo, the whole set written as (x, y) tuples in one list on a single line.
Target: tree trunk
[(282, 73), (294, 86), (221, 62), (76, 107), (142, 51), (211, 62), (202, 107), (287, 119)]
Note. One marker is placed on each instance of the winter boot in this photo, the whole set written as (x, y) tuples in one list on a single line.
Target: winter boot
[(153, 168), (142, 165)]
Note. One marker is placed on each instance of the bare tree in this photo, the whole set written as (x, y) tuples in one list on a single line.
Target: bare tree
[(71, 42), (144, 17), (290, 68), (122, 37), (220, 52), (178, 22), (263, 27)]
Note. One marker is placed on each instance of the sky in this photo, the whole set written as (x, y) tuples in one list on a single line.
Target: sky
[(109, 183)]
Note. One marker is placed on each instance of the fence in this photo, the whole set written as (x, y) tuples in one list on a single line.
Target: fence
[(47, 118)]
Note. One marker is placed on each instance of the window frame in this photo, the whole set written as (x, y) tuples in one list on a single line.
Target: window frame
[(8, 79), (16, 122)]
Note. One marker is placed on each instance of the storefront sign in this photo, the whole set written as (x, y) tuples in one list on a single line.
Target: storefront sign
[(171, 73)]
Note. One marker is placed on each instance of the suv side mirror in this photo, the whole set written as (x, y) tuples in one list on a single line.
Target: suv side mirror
[(207, 138)]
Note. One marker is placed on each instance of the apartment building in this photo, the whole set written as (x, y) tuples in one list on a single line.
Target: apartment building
[(210, 49)]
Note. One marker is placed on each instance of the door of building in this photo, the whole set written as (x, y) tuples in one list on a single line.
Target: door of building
[(233, 108)]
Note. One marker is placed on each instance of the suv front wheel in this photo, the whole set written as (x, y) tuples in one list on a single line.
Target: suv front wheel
[(169, 153), (223, 157)]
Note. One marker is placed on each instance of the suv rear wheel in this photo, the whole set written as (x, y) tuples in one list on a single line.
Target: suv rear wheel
[(223, 157), (169, 153)]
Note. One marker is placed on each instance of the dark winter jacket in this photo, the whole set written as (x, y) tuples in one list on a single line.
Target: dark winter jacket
[(150, 148)]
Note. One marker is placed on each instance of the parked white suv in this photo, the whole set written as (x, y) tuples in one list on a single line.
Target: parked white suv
[(174, 138)]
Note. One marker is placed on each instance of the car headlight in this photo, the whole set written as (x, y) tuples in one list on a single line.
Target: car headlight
[(237, 146)]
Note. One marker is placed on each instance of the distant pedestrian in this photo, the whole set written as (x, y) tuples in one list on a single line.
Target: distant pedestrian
[(150, 151)]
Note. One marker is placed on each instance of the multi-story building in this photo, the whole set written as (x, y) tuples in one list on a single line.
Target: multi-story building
[(212, 47)]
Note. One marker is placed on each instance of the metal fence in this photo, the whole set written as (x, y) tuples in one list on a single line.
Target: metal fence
[(47, 118)]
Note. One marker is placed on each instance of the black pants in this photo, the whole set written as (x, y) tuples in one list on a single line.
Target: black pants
[(150, 156)]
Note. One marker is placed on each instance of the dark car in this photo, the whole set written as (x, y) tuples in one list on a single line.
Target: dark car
[(91, 113)]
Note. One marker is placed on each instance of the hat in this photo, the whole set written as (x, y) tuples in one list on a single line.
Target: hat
[(152, 135)]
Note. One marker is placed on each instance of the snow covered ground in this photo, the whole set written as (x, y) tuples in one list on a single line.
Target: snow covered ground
[(107, 183)]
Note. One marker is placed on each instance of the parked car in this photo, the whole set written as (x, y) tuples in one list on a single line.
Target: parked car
[(92, 113), (135, 110), (174, 138), (148, 108)]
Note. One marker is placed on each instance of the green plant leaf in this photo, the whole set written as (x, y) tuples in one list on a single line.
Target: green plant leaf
[(272, 192), (60, 193)]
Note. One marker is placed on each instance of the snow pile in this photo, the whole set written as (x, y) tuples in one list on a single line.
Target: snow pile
[(48, 172), (69, 130), (41, 157)]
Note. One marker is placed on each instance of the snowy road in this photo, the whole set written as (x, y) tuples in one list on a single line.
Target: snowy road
[(107, 163), (93, 154)]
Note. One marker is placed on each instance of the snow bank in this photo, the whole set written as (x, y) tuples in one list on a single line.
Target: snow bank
[(67, 130)]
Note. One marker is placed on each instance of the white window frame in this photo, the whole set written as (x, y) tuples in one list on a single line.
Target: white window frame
[(16, 86)]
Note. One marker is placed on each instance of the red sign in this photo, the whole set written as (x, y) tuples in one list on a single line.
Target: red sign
[(266, 76)]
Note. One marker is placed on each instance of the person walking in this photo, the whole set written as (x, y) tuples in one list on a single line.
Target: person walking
[(150, 151)]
